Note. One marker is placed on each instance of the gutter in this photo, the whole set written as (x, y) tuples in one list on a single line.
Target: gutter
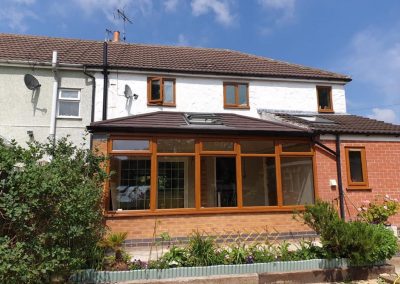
[(52, 132), (93, 100), (337, 155)]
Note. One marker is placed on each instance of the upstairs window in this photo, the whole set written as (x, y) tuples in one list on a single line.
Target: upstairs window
[(161, 91), (236, 95), (356, 165), (324, 95), (69, 103)]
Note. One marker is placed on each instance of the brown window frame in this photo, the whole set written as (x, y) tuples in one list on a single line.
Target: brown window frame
[(329, 88), (236, 105), (198, 153), (357, 185), (160, 102)]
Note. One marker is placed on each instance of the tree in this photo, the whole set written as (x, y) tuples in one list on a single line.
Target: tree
[(50, 210)]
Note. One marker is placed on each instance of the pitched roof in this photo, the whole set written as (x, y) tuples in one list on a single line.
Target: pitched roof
[(176, 122), (340, 123), (38, 49)]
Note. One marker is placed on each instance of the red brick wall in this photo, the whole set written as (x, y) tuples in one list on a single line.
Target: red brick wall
[(383, 169)]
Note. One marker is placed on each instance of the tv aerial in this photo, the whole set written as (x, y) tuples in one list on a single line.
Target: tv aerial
[(122, 16)]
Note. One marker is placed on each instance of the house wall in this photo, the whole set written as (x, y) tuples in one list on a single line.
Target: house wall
[(197, 94), (22, 109), (383, 164)]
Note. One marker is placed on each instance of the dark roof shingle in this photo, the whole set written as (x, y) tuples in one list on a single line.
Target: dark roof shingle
[(343, 123), (168, 121), (155, 58)]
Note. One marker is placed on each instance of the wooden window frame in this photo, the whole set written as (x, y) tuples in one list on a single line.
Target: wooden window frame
[(357, 185), (328, 110), (153, 154), (160, 102), (236, 105)]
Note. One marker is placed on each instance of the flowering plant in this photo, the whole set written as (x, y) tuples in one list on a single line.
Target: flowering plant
[(379, 211)]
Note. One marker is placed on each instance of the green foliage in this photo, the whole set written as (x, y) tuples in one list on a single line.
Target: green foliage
[(202, 250), (360, 242), (114, 242), (262, 253), (50, 212), (378, 211)]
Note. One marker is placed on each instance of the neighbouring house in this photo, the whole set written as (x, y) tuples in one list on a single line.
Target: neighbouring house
[(218, 140)]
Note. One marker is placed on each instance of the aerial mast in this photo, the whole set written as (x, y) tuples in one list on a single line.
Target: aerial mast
[(121, 15)]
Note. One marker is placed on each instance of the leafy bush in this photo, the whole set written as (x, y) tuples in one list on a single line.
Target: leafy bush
[(120, 259), (50, 212), (202, 251), (360, 242), (261, 253), (378, 211)]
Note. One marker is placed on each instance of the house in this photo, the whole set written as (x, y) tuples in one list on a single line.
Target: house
[(218, 140)]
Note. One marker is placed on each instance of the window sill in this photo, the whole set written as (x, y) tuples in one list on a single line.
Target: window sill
[(204, 211), (236, 107), (359, 187), (70, 117), (325, 111), (161, 105)]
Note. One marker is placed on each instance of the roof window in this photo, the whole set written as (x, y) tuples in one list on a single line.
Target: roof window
[(203, 119)]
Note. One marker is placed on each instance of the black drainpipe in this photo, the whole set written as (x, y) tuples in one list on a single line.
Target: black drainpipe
[(339, 176), (105, 74), (93, 100), (338, 171)]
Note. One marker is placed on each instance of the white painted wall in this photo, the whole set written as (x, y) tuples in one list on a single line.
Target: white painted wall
[(196, 94), (22, 109)]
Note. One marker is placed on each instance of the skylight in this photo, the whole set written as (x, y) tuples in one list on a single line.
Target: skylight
[(317, 119), (203, 119)]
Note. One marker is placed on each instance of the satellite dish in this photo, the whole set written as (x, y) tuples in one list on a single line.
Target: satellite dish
[(31, 82)]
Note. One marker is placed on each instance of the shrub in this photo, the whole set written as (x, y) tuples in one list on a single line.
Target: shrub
[(361, 243), (378, 211), (113, 242), (202, 251), (50, 212)]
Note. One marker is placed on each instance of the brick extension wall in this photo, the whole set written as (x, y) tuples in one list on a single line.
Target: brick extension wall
[(383, 165), (383, 169)]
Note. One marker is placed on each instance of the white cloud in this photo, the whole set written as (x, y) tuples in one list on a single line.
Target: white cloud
[(220, 8), (385, 114), (182, 40), (16, 13), (285, 7), (171, 5), (108, 7), (373, 60)]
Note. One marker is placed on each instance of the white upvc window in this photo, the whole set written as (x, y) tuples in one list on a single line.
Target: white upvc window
[(69, 103)]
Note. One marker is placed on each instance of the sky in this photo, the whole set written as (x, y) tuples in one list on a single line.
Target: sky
[(359, 38)]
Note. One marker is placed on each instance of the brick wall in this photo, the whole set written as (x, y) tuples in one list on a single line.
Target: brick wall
[(383, 169)]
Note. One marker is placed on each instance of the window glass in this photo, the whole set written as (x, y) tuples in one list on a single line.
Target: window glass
[(297, 180), (230, 95), (218, 182), (175, 182), (259, 181), (68, 108), (356, 171), (69, 94), (296, 147), (217, 146), (155, 90), (242, 94), (130, 185), (257, 147), (175, 145), (324, 98), (168, 91), (138, 145)]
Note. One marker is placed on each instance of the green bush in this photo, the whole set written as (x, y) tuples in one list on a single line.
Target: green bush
[(203, 251), (360, 242), (50, 212)]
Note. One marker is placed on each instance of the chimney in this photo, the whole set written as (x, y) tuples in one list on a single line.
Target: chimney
[(116, 36)]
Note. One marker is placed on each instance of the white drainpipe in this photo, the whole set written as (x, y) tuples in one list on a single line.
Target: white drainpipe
[(54, 101)]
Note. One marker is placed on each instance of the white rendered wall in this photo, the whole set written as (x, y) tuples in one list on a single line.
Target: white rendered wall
[(22, 109), (196, 94)]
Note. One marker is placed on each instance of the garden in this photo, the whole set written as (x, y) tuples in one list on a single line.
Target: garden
[(51, 227)]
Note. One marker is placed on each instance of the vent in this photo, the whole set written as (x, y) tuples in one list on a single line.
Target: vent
[(203, 119), (317, 120)]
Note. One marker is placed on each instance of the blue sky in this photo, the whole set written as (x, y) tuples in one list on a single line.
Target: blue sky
[(360, 38)]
